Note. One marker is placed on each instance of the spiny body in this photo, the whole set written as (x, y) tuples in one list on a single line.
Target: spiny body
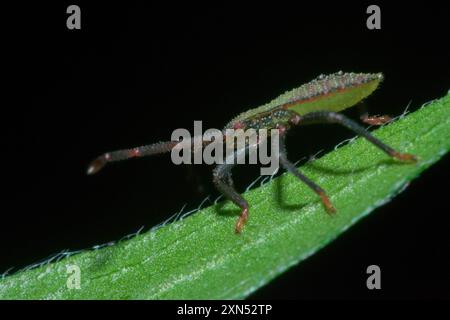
[(334, 92)]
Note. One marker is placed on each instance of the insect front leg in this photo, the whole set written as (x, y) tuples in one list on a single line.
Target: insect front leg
[(223, 182), (290, 167), (333, 117)]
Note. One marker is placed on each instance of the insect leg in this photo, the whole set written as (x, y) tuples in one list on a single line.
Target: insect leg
[(230, 180), (333, 117), (148, 150), (290, 167), (372, 120), (222, 180)]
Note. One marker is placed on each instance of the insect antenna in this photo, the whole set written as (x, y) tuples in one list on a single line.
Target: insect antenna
[(148, 150)]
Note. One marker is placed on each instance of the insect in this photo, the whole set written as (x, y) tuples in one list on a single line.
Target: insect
[(318, 101)]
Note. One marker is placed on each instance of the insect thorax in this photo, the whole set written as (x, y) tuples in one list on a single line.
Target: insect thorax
[(263, 120)]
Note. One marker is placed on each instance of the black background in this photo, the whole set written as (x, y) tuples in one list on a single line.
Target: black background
[(133, 73)]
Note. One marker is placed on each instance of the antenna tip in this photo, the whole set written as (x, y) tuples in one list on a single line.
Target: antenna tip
[(96, 165)]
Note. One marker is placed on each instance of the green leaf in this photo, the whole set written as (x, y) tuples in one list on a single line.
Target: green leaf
[(200, 257)]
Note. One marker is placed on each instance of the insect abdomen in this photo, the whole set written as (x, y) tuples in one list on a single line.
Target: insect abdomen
[(335, 92)]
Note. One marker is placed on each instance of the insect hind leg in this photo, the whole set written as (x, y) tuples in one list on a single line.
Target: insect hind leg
[(333, 117)]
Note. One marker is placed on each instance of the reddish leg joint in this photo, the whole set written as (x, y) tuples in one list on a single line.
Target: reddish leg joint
[(295, 119), (241, 221), (406, 157), (281, 129), (136, 152), (326, 202)]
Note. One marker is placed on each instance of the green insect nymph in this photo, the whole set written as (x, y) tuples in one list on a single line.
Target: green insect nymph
[(318, 101)]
